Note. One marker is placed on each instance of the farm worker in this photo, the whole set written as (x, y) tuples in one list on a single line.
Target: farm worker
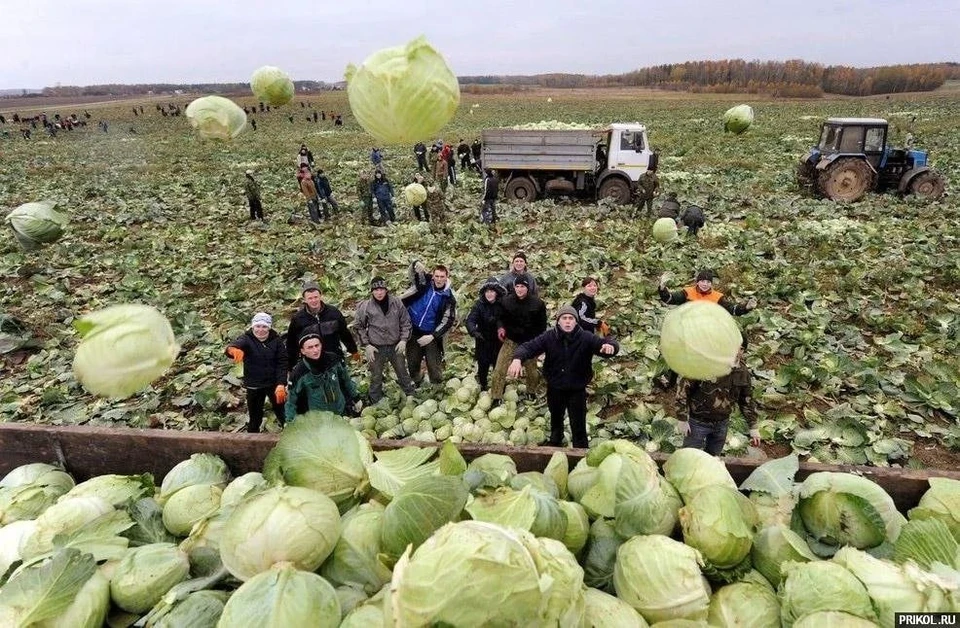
[(524, 318), (669, 207), (436, 206), (692, 218), (365, 195), (421, 152), (568, 369), (476, 149), (252, 190), (381, 190), (463, 152), (483, 323), (309, 191), (704, 408), (304, 156), (491, 188), (383, 326), (585, 305), (263, 355), (329, 320), (325, 192), (433, 311), (451, 159), (518, 268), (648, 185), (422, 207), (319, 380), (376, 157), (440, 171)]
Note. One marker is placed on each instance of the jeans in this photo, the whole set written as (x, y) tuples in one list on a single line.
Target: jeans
[(488, 215), (415, 357), (426, 214), (707, 435), (574, 404), (256, 209), (386, 209), (255, 399), (313, 210), (486, 354), (452, 172), (504, 358), (385, 354), (421, 162), (333, 203)]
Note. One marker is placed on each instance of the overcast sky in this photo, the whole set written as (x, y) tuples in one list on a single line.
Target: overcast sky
[(43, 42)]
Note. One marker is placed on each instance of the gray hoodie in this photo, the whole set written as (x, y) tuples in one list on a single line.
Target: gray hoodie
[(379, 329)]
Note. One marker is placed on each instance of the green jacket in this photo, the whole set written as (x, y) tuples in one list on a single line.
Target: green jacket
[(324, 385), (251, 188)]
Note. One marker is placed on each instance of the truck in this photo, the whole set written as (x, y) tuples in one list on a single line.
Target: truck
[(588, 163)]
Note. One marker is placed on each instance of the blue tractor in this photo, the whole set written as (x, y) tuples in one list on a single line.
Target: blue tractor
[(853, 158)]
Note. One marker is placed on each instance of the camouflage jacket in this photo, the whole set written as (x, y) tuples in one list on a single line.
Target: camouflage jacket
[(363, 185), (436, 205), (712, 402), (647, 185)]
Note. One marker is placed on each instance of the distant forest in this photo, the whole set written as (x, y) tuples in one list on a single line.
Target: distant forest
[(787, 79)]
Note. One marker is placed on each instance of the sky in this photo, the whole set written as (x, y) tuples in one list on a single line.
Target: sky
[(43, 42)]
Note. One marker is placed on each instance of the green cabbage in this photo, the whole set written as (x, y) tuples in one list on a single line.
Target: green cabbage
[(356, 557), (940, 501), (700, 340), (282, 597), (775, 545), (416, 194), (713, 522), (821, 586), (189, 506), (198, 469), (661, 579), (688, 470), (558, 470), (322, 452), (600, 555), (117, 490), (527, 509), (833, 619), (30, 489), (420, 508), (396, 467), (350, 597), (145, 574), (404, 94), (89, 607), (11, 536), (282, 524), (216, 117), (490, 470), (63, 518), (742, 605), (665, 230), (36, 224), (246, 484), (561, 601), (578, 526), (272, 85), (47, 590), (201, 609), (925, 542), (124, 348), (147, 516), (604, 611), (737, 119)]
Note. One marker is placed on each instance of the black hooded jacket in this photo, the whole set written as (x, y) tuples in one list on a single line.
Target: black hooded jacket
[(264, 362), (333, 331), (486, 318), (569, 356), (523, 318)]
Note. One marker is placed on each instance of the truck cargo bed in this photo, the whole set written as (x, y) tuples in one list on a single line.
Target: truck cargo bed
[(509, 149), (90, 451)]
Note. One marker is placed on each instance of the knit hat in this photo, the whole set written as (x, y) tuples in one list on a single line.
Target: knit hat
[(568, 309), (309, 286), (706, 275), (378, 282), (262, 318), (519, 254), (521, 281), (309, 333)]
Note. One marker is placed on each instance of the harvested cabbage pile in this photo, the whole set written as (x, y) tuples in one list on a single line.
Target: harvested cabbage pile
[(552, 125), (334, 534)]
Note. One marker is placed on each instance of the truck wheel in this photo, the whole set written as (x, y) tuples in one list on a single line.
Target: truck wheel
[(846, 179), (521, 189), (616, 190), (928, 185)]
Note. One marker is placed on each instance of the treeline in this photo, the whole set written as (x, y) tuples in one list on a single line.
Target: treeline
[(792, 79), (115, 89)]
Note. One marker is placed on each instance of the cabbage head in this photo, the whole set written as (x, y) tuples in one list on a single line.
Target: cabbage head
[(604, 610), (490, 470), (272, 85), (11, 537), (743, 605), (145, 574), (833, 619), (714, 523), (201, 609), (700, 340), (88, 609), (246, 484), (282, 524), (117, 490), (775, 545), (64, 518), (322, 452), (416, 194), (216, 117), (578, 526), (46, 590), (940, 501), (403, 94), (124, 348), (821, 586), (198, 469), (600, 555), (690, 470), (561, 602), (527, 509), (30, 489), (665, 230), (615, 475), (468, 574), (282, 597), (737, 119), (356, 557), (661, 579), (189, 506), (422, 506), (36, 224)]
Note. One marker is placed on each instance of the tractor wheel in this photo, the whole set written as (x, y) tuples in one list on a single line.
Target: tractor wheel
[(927, 185), (521, 190), (847, 179), (616, 190)]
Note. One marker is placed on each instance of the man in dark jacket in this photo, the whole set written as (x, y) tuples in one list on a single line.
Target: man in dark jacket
[(421, 152), (325, 193), (252, 191), (693, 219), (491, 188), (524, 318), (669, 207), (476, 149), (704, 408), (264, 359), (319, 381), (518, 268), (383, 326), (463, 152), (483, 323), (433, 311), (382, 191), (332, 325), (568, 369)]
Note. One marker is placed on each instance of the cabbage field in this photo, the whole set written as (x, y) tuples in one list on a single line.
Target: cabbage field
[(853, 346)]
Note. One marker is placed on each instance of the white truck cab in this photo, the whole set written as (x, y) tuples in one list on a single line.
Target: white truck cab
[(627, 149)]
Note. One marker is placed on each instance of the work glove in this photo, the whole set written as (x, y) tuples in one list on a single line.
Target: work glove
[(683, 427), (280, 393), (501, 334), (604, 329), (401, 347), (419, 267), (755, 437), (423, 341), (751, 304), (236, 354), (371, 353)]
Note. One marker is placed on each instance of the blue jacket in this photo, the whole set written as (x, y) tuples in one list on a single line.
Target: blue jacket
[(381, 190), (431, 311), (376, 157)]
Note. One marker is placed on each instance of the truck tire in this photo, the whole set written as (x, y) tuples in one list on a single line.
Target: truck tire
[(927, 185), (847, 179), (521, 190), (615, 189)]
